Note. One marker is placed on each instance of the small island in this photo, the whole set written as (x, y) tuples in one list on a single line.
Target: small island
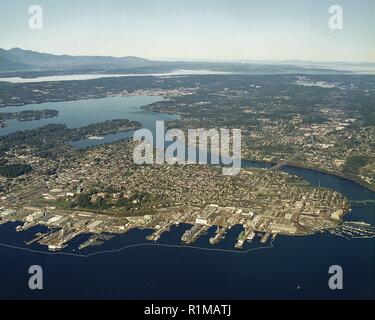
[(27, 115)]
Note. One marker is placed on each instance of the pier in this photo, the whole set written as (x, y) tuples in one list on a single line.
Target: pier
[(363, 202)]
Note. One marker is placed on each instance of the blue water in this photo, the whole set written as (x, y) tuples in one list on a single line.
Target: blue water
[(157, 272), (80, 113), (290, 268)]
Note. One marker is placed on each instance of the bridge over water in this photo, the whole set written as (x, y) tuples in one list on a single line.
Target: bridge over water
[(285, 162)]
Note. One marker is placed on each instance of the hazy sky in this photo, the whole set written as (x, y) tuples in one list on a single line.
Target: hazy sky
[(194, 29)]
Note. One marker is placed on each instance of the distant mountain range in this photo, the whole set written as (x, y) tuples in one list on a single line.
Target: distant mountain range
[(30, 64), (17, 59)]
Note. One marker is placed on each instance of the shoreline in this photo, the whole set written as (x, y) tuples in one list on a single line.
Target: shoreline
[(338, 175), (178, 114), (335, 174), (297, 166)]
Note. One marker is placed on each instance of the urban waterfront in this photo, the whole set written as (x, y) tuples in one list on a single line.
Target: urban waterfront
[(128, 266), (292, 267)]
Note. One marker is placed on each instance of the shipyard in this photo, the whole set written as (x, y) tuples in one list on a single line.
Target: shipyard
[(257, 220)]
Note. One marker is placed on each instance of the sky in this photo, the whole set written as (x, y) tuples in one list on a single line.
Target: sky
[(194, 29)]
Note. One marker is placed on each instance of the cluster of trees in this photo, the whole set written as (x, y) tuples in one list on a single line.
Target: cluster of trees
[(41, 139), (29, 115), (14, 170), (84, 200), (49, 140), (354, 163), (135, 200)]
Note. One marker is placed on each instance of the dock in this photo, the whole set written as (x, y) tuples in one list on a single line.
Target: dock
[(265, 237)]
